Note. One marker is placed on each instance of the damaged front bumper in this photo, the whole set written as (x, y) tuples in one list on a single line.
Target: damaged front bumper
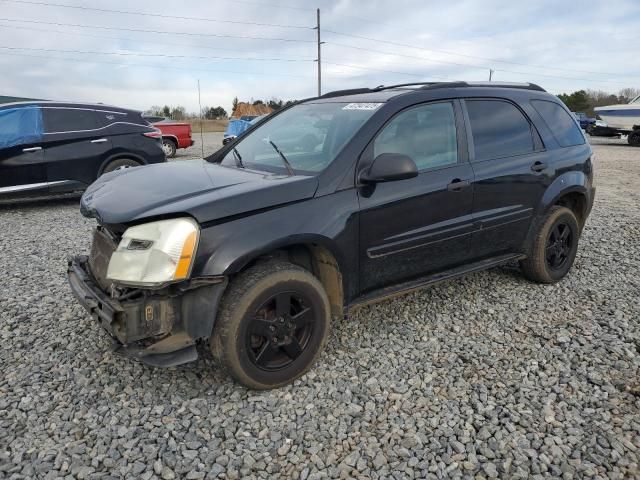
[(159, 328)]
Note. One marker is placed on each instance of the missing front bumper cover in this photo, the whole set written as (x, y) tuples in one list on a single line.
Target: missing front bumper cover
[(159, 329)]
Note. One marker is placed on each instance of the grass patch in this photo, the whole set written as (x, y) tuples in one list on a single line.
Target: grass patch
[(208, 125)]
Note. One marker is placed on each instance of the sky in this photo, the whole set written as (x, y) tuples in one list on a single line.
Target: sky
[(154, 52)]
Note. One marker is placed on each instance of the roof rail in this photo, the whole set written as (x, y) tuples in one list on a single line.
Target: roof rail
[(434, 85), (523, 86), (398, 85), (351, 91)]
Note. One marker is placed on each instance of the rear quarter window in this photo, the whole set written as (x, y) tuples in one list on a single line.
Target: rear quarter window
[(564, 128), (106, 118)]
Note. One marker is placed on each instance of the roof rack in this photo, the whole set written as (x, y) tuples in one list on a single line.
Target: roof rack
[(433, 86), (520, 85)]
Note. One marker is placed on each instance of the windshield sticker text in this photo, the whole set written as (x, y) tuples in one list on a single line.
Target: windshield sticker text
[(361, 106)]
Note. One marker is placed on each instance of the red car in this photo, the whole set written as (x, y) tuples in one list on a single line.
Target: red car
[(175, 135)]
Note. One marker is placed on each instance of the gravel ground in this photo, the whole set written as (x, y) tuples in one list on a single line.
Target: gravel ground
[(212, 142), (486, 376)]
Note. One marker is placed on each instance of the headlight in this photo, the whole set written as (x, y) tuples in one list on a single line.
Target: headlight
[(155, 253)]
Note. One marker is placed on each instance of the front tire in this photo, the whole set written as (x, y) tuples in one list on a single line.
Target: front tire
[(554, 247), (634, 138), (273, 322)]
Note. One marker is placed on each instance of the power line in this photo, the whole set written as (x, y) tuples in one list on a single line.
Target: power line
[(159, 32), (468, 65), (476, 57), (156, 55), (121, 39), (386, 71), (163, 67), (272, 5), (149, 14)]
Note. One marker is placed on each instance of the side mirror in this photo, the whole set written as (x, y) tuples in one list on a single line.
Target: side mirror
[(388, 167)]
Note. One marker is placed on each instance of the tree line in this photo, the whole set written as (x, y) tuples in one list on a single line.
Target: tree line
[(179, 113), (587, 100)]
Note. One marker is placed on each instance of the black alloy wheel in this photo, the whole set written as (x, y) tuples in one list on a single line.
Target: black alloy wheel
[(559, 246), (553, 247), (280, 330), (272, 323)]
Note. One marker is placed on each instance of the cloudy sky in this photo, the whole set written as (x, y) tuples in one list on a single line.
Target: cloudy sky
[(153, 52)]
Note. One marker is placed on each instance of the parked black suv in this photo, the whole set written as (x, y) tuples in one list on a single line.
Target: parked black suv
[(54, 147), (390, 189)]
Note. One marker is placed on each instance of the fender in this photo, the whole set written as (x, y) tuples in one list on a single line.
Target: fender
[(568, 182), (229, 247), (172, 137)]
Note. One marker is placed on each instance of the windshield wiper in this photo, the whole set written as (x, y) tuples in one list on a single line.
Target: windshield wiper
[(238, 158), (284, 159)]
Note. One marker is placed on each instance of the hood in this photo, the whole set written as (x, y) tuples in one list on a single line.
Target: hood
[(197, 188)]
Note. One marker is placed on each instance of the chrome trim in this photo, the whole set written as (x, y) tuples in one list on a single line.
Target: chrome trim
[(32, 149), (99, 140), (81, 108), (30, 186), (101, 128)]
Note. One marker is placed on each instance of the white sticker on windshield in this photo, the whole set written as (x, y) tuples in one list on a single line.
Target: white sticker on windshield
[(361, 106)]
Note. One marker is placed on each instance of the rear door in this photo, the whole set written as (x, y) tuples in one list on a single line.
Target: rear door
[(511, 172), (21, 157), (75, 146), (411, 228)]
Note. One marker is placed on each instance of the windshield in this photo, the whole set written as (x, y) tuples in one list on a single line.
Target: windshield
[(309, 136), (635, 100)]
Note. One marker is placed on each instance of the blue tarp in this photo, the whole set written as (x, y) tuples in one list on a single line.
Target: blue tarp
[(236, 127), (20, 126)]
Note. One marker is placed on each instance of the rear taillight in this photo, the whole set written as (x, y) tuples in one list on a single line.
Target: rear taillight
[(156, 133)]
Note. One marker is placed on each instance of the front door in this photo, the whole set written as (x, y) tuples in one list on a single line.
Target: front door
[(415, 227), (21, 157)]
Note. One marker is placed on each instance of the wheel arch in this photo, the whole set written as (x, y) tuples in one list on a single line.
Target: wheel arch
[(315, 253), (173, 138), (118, 156), (572, 190)]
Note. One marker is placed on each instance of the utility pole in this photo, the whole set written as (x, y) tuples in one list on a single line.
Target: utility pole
[(319, 53), (200, 107), (490, 74)]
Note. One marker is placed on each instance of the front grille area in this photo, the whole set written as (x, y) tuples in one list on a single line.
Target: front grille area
[(102, 248)]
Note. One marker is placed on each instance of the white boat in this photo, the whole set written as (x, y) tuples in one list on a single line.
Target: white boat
[(622, 117)]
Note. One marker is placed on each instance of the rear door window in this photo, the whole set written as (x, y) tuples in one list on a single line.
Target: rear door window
[(65, 120), (499, 129), (564, 129)]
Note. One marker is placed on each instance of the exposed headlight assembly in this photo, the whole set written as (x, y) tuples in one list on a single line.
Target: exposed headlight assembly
[(155, 253)]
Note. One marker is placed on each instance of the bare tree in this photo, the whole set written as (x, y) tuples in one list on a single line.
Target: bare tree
[(629, 93)]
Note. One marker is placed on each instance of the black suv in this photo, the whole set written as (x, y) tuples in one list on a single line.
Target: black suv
[(331, 203), (54, 147)]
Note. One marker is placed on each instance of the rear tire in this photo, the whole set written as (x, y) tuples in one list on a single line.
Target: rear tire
[(120, 164), (554, 247), (169, 147), (273, 322), (634, 138)]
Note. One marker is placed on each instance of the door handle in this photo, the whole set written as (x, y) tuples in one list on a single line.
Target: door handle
[(32, 149), (456, 185), (100, 140), (538, 166)]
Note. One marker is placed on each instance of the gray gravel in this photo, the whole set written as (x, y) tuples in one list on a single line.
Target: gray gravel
[(488, 376)]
